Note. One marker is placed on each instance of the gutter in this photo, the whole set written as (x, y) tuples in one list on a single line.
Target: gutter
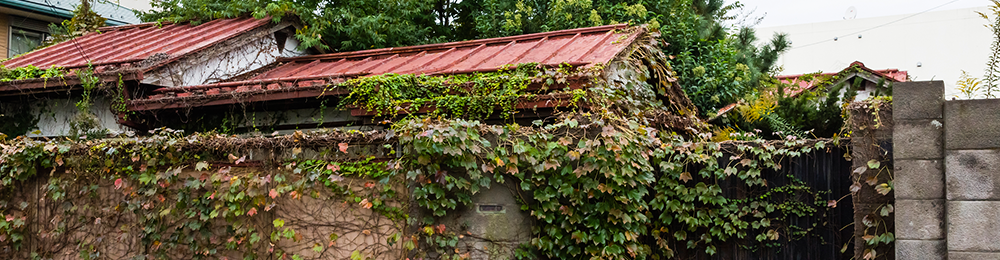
[(49, 10)]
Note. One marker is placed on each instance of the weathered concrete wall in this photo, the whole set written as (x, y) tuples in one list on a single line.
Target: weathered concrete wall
[(947, 186)]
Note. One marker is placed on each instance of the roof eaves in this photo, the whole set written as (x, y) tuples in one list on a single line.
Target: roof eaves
[(37, 8)]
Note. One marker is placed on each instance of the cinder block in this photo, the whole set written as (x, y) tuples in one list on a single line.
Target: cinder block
[(919, 179), (921, 249), (917, 100), (972, 124), (971, 256), (920, 219), (973, 226), (917, 139), (972, 174)]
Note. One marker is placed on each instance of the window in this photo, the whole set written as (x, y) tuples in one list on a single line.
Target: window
[(23, 40)]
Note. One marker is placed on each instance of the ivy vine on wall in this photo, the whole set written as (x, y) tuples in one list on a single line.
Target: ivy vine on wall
[(604, 179)]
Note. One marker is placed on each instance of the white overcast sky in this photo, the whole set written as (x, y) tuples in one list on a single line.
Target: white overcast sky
[(788, 12)]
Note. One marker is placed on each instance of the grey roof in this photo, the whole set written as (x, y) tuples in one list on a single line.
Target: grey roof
[(116, 14)]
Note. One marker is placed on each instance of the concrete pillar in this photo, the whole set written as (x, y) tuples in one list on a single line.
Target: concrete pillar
[(972, 175), (918, 154)]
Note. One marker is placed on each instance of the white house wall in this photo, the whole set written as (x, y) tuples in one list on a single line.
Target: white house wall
[(943, 42), (233, 57), (55, 115)]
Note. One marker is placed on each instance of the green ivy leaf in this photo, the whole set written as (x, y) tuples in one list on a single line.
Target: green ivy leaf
[(278, 223), (874, 164)]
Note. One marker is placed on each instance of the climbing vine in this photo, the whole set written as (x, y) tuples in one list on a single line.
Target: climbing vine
[(624, 172), (618, 189)]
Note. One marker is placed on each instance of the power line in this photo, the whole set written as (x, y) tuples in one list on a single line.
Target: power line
[(878, 26)]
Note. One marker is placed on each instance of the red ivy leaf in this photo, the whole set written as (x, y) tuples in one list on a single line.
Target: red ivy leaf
[(439, 229), (685, 176), (118, 183), (343, 147), (273, 193)]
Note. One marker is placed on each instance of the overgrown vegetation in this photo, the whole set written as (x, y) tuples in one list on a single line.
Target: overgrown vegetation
[(992, 75), (600, 180), (788, 109), (84, 21)]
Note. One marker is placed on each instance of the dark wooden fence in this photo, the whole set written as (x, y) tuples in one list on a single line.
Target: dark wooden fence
[(826, 171)]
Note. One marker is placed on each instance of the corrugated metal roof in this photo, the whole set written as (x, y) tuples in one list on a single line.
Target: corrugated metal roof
[(584, 47), (121, 46), (891, 75), (587, 45), (116, 14)]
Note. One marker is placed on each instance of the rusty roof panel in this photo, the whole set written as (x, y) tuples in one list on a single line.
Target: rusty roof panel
[(121, 45), (580, 47)]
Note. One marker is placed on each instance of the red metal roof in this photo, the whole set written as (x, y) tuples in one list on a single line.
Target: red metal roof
[(122, 46), (891, 75), (584, 47)]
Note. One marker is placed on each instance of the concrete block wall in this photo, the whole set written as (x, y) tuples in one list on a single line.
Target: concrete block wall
[(918, 137), (972, 182), (947, 162)]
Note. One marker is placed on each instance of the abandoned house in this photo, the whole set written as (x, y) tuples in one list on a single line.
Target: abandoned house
[(141, 57), (246, 75)]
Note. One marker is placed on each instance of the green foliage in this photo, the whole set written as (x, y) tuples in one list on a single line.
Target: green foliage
[(621, 190), (84, 21), (715, 69), (475, 96), (206, 214), (344, 25), (968, 87), (18, 118), (85, 123), (993, 64), (30, 72)]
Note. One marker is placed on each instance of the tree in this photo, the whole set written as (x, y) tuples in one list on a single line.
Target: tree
[(84, 20)]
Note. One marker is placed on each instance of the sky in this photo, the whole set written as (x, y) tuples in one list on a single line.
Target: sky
[(788, 12)]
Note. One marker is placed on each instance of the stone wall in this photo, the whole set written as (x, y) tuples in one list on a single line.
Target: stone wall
[(947, 186)]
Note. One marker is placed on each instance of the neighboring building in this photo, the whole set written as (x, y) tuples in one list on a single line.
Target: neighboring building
[(143, 57), (24, 24), (811, 81), (935, 45), (870, 79)]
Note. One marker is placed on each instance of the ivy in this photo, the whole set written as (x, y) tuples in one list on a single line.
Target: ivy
[(604, 179), (476, 95), (619, 190)]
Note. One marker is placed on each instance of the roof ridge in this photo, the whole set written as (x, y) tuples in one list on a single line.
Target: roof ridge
[(449, 45)]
